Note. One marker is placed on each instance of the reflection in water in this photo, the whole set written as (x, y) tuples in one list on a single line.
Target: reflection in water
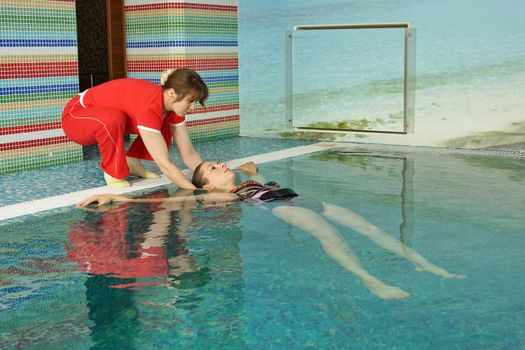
[(131, 251), (112, 311), (405, 164), (407, 199)]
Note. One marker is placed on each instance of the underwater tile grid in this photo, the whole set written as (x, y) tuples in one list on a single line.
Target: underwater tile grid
[(36, 184)]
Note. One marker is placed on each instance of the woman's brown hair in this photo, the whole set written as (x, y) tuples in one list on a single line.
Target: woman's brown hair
[(198, 180), (184, 81)]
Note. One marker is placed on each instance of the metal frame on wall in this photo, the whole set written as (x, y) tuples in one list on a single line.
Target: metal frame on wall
[(408, 73)]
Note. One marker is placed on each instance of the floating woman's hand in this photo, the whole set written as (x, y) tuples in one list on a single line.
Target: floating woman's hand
[(101, 199), (248, 168)]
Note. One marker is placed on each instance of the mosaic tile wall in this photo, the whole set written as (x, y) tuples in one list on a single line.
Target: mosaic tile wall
[(201, 35), (39, 69), (38, 75)]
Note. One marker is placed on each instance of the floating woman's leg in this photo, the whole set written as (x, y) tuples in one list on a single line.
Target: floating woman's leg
[(359, 224), (335, 246)]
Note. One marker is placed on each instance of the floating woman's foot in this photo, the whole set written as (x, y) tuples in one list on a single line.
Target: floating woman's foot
[(390, 292), (385, 291), (137, 169), (115, 183)]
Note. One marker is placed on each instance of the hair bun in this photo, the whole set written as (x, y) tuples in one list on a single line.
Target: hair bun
[(165, 75)]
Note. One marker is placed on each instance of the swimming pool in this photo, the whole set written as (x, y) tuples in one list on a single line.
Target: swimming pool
[(159, 276)]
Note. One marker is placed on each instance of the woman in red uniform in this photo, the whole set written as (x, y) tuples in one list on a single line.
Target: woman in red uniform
[(104, 114)]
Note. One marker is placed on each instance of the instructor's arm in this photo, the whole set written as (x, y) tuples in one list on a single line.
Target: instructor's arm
[(189, 155), (156, 147)]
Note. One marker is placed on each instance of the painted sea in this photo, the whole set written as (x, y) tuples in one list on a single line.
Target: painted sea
[(469, 69)]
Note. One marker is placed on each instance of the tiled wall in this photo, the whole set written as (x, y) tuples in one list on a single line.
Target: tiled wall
[(38, 75), (39, 69), (201, 35)]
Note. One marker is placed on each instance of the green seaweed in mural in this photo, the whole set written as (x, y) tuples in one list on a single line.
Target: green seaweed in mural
[(515, 138), (396, 116), (308, 135), (360, 124)]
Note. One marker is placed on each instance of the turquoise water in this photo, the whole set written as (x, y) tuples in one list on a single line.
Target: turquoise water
[(140, 276)]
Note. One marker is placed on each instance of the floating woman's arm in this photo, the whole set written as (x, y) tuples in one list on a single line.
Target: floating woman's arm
[(250, 169), (103, 199)]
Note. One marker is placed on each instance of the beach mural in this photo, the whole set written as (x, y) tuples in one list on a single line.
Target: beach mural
[(469, 71)]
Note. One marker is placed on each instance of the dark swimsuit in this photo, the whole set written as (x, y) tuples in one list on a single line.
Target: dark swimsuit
[(254, 192)]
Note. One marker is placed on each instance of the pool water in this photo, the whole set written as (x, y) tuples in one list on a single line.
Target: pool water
[(159, 275)]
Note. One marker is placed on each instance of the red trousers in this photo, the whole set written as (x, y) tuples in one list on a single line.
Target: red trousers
[(106, 127)]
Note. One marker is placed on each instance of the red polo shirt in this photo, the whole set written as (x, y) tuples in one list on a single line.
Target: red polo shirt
[(140, 99)]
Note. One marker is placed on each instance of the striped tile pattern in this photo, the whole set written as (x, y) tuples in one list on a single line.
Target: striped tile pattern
[(201, 35), (38, 75), (39, 69)]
